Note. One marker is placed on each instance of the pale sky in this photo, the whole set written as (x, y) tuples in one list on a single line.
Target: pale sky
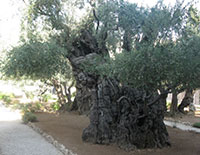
[(150, 2), (10, 18), (153, 2), (9, 21)]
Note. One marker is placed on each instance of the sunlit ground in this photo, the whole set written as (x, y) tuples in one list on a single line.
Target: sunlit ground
[(197, 113), (7, 114)]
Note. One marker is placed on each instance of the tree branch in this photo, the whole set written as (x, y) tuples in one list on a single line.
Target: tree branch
[(97, 19), (159, 97), (123, 97)]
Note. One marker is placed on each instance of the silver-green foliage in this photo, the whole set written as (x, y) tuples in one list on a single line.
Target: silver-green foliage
[(159, 45), (164, 48), (36, 60), (174, 66)]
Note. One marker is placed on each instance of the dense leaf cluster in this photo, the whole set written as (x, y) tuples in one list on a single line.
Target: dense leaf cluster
[(174, 66), (36, 60), (153, 48)]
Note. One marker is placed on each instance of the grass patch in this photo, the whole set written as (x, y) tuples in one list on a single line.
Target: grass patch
[(55, 106), (196, 125), (6, 98), (29, 117)]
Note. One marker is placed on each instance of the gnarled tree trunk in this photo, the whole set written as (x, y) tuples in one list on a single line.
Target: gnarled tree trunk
[(71, 105), (174, 104), (188, 98), (117, 114), (85, 83), (163, 100), (120, 115), (59, 92)]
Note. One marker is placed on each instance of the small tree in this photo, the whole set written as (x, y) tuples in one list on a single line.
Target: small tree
[(44, 61)]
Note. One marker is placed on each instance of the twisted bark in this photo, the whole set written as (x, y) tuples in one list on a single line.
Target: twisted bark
[(59, 92), (117, 114), (120, 115), (173, 107)]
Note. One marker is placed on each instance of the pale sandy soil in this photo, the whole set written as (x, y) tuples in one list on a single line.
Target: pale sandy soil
[(67, 129)]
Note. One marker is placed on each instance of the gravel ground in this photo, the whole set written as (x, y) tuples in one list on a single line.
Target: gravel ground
[(19, 139)]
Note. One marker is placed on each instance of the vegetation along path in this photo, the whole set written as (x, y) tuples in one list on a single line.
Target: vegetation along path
[(18, 139)]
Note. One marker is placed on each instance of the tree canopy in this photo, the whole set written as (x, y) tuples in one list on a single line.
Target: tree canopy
[(158, 46), (159, 49), (36, 60)]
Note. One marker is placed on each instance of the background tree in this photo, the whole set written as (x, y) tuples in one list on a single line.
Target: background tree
[(191, 35), (162, 62), (44, 61)]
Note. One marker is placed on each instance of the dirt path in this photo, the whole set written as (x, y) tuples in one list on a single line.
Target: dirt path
[(67, 129), (189, 118)]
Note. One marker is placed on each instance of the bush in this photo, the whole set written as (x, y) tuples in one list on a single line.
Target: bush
[(29, 117), (197, 125), (46, 97), (6, 98), (55, 106), (38, 106), (29, 94), (27, 108)]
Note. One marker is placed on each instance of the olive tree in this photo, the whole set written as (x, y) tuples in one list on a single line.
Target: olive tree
[(120, 94), (188, 45), (44, 61)]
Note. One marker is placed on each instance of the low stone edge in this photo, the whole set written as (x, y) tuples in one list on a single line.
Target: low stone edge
[(178, 121), (51, 140), (177, 124)]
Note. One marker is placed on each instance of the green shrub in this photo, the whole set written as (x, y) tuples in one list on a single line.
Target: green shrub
[(29, 94), (55, 106), (6, 98), (46, 97), (27, 108), (197, 125), (17, 106), (38, 106), (29, 117)]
